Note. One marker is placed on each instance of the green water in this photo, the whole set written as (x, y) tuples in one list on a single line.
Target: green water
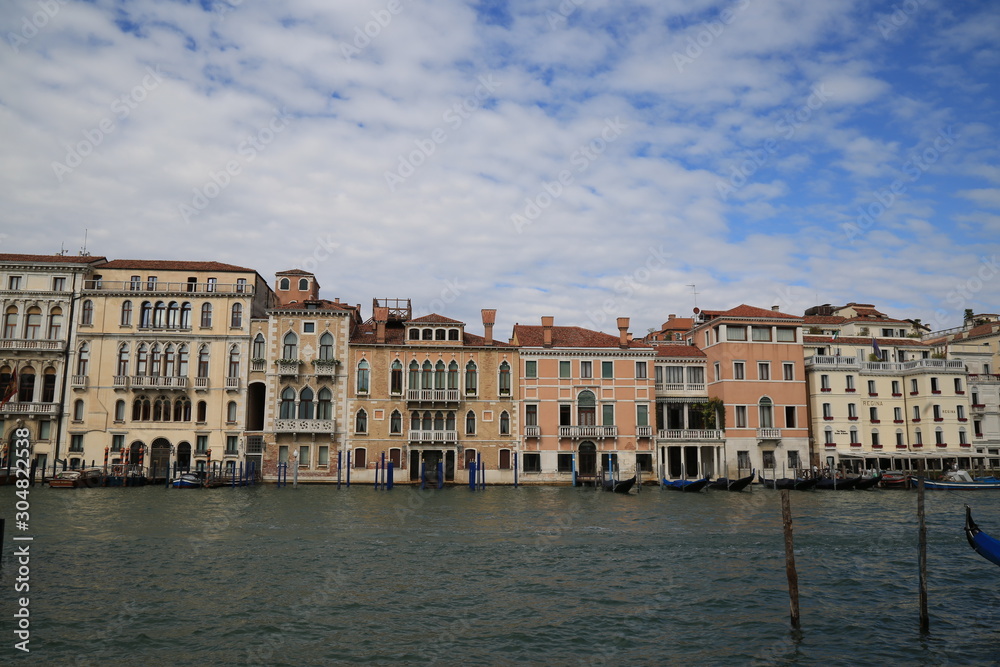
[(554, 576)]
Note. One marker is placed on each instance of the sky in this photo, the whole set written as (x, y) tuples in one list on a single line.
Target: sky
[(585, 159)]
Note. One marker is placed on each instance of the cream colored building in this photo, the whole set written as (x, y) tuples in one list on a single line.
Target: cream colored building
[(158, 366)]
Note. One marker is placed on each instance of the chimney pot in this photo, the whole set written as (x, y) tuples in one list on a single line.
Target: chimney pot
[(623, 331), (547, 323), (489, 319)]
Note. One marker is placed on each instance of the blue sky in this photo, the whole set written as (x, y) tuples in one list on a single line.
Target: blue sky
[(583, 159)]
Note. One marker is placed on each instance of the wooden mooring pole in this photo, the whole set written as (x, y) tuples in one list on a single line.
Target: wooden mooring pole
[(793, 576), (925, 624)]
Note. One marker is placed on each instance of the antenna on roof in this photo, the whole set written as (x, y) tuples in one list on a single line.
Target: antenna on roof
[(695, 293), (83, 250), (62, 249)]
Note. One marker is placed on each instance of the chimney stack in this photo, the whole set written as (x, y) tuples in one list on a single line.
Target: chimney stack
[(547, 322), (381, 317), (622, 332), (775, 308), (489, 319)]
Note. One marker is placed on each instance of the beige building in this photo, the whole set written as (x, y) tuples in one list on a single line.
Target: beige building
[(425, 392), (39, 300), (159, 361)]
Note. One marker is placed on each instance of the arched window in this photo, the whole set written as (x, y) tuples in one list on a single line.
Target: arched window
[(395, 423), (182, 409), (145, 315), (87, 312), (119, 410), (234, 362), (33, 323), (504, 423), (258, 347), (324, 404), (236, 321), (766, 411), (360, 458), (173, 315), (326, 347), (438, 421), (202, 411), (169, 360), (55, 324), (140, 409), (415, 421), (155, 360), (361, 422), (206, 315), (185, 322), (414, 334), (141, 359), (122, 367), (306, 403), (452, 334), (303, 284), (396, 377), (126, 320), (828, 436), (453, 375), (161, 409), (504, 388), (48, 385), (439, 334), (470, 423), (287, 408), (471, 380), (83, 359), (449, 424), (586, 408), (231, 412), (26, 384), (182, 361), (203, 361), (414, 382), (439, 375), (363, 377), (159, 314), (427, 423), (426, 375), (10, 322), (427, 334), (283, 284), (78, 410), (290, 346)]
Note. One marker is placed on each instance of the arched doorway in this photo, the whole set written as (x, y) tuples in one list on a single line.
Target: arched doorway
[(159, 457), (184, 456), (134, 452), (587, 459), (256, 392)]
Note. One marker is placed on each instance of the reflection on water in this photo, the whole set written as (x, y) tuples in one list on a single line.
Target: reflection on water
[(313, 575)]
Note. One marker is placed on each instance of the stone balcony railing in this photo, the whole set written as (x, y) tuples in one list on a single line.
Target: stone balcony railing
[(325, 367), (644, 431), (532, 431), (17, 408), (258, 365), (433, 395), (680, 386), (689, 434), (288, 367), (161, 382), (32, 344), (78, 381), (433, 436), (984, 378), (304, 425), (769, 434), (853, 363), (167, 287), (588, 431), (232, 383)]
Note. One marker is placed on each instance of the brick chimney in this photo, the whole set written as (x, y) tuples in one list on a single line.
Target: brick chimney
[(622, 332), (489, 319), (381, 317), (547, 322)]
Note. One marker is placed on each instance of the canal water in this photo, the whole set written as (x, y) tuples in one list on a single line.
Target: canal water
[(554, 576)]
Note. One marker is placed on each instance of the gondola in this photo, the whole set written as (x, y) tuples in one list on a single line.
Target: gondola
[(805, 484), (621, 486), (831, 484), (788, 483), (868, 482), (986, 546), (726, 484), (689, 485)]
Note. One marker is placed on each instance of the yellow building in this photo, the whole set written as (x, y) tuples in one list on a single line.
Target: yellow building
[(158, 365)]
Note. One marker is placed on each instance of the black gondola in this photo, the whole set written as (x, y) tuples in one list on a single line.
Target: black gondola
[(868, 482), (621, 486), (788, 483), (686, 485), (830, 484), (726, 484)]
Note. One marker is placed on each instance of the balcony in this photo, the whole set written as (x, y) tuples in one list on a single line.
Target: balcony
[(433, 395), (120, 382), (78, 382), (32, 344), (644, 431), (201, 384), (433, 436), (12, 408), (689, 434), (693, 387), (232, 384), (160, 382), (288, 367), (532, 431), (769, 434), (304, 425), (325, 367), (157, 287), (258, 365), (588, 431), (984, 378)]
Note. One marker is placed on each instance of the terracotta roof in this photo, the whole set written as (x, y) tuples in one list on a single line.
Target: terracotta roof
[(171, 265), (876, 320), (434, 318), (321, 304), (532, 336), (824, 319), (679, 351), (745, 311), (863, 340), (293, 272), (678, 324), (51, 259)]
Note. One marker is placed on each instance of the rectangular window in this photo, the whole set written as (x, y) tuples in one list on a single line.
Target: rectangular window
[(586, 369), (644, 462), (58, 284), (916, 413), (768, 459), (960, 412), (741, 416), (504, 459), (824, 382), (899, 440), (852, 411), (914, 387), (962, 440), (793, 459), (695, 375), (674, 375), (895, 388), (565, 415), (743, 460), (871, 388), (308, 327), (718, 372), (762, 333), (283, 454), (565, 370), (531, 369), (531, 415), (151, 283), (14, 283), (958, 386), (202, 444), (642, 415), (564, 462), (76, 443), (212, 282), (739, 371), (736, 333), (231, 444), (850, 382), (44, 428), (324, 455), (607, 370), (935, 389), (640, 370), (790, 420), (873, 414), (786, 335), (241, 285), (788, 370), (117, 443), (763, 370), (532, 462), (827, 411), (897, 414), (875, 442), (607, 415)]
